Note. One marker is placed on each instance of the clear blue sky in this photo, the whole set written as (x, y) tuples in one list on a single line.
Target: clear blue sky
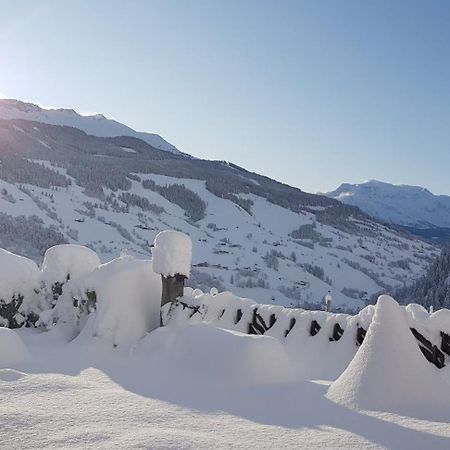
[(313, 93)]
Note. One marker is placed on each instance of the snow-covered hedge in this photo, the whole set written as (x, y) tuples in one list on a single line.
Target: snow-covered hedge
[(64, 262), (19, 283), (127, 301), (117, 302)]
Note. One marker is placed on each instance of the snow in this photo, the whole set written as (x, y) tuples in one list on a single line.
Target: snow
[(128, 300), (172, 253), (12, 350), (215, 356), (200, 382), (72, 395), (68, 260), (11, 375), (389, 373)]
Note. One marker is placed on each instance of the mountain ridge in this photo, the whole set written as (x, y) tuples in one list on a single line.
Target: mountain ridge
[(405, 205), (95, 124)]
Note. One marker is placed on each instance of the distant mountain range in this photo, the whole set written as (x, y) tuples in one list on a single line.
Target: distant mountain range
[(69, 178), (411, 207), (96, 125)]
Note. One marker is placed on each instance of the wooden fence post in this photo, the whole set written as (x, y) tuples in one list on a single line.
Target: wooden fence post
[(172, 253), (172, 287)]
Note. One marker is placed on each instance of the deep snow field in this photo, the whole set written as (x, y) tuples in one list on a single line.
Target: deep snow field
[(199, 386)]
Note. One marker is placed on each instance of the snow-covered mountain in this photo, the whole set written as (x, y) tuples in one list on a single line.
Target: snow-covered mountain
[(96, 125), (252, 235), (410, 206)]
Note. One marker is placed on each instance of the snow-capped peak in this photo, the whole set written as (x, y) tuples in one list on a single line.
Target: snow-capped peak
[(413, 206)]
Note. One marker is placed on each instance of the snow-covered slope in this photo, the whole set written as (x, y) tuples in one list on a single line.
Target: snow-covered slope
[(250, 234), (410, 206), (96, 125)]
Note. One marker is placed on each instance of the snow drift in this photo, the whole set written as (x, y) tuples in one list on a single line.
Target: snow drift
[(389, 373), (12, 349), (205, 354)]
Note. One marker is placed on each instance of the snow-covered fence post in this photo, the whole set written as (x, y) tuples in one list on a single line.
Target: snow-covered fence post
[(172, 253), (328, 302)]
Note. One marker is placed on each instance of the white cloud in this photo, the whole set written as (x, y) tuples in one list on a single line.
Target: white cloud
[(43, 106)]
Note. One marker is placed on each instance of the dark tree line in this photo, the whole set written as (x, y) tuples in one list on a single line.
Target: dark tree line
[(28, 235), (433, 288), (179, 194)]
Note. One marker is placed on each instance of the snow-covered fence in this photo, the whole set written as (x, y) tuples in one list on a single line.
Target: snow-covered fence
[(300, 327), (121, 300)]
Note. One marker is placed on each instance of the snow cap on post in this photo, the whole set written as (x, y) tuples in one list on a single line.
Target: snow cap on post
[(172, 253)]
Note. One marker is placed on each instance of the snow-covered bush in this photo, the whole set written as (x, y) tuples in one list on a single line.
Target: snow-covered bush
[(19, 283), (64, 262), (119, 300)]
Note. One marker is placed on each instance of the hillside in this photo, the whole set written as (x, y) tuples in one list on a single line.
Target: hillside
[(260, 238)]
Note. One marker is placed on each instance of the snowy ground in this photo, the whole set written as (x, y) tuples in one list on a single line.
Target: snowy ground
[(84, 395)]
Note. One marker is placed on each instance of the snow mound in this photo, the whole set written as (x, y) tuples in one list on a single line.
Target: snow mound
[(172, 253), (12, 348), (128, 299), (205, 354), (19, 275), (389, 373), (68, 260)]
